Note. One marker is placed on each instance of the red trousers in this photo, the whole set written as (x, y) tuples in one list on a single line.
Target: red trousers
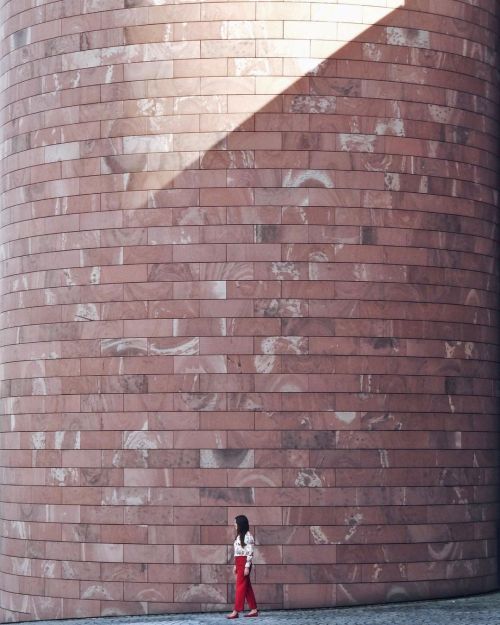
[(244, 588)]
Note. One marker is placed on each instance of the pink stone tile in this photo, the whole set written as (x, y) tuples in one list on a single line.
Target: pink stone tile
[(150, 591), (187, 554), (200, 477), (148, 553), (210, 593), (173, 572), (239, 383), (102, 552), (112, 571), (199, 440), (226, 345), (101, 590)]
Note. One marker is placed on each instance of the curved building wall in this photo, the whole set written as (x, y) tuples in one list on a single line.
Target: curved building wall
[(248, 260)]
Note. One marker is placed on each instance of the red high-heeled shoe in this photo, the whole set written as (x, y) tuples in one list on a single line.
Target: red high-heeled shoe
[(230, 616), (251, 615)]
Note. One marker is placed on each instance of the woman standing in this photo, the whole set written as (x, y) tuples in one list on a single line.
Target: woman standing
[(243, 555)]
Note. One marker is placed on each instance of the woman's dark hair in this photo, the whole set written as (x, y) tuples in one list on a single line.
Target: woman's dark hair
[(243, 527)]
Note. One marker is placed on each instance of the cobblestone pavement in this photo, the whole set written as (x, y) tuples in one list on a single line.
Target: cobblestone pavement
[(477, 610)]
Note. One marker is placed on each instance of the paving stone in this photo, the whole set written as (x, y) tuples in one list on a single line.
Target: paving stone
[(477, 610)]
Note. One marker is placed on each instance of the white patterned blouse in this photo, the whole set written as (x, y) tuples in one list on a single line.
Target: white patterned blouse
[(247, 550)]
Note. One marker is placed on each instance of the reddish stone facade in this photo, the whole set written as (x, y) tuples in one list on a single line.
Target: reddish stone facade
[(248, 260)]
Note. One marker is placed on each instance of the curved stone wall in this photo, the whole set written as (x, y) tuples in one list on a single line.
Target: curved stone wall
[(248, 267)]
